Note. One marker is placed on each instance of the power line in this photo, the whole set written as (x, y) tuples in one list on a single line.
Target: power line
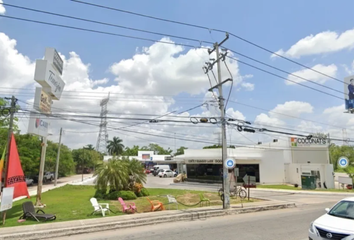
[(103, 23), (209, 29), (146, 39)]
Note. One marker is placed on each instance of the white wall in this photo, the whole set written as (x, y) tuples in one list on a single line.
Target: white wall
[(329, 176), (310, 154), (271, 167)]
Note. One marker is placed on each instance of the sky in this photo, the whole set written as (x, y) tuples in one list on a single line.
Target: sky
[(148, 79)]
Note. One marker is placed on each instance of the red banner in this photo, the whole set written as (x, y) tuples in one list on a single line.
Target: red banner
[(15, 177)]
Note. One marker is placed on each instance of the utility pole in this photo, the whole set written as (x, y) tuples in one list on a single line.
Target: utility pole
[(57, 163), (11, 123), (226, 175)]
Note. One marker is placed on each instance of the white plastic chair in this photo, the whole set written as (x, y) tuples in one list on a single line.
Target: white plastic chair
[(99, 207), (171, 200)]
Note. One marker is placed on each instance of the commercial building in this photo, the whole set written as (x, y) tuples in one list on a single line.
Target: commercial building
[(278, 162)]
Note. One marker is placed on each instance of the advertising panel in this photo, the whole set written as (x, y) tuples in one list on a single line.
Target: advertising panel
[(49, 78), (38, 125), (54, 58), (7, 198), (349, 92), (42, 101), (304, 142), (145, 156)]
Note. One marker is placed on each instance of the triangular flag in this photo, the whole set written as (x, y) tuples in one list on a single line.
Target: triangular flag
[(2, 163), (15, 177)]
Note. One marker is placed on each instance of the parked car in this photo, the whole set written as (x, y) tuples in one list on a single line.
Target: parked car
[(337, 223), (156, 172), (29, 181), (48, 176), (167, 173)]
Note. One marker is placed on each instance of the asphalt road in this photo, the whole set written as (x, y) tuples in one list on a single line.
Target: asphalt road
[(290, 224)]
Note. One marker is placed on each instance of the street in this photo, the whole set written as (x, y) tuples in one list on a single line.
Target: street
[(290, 224)]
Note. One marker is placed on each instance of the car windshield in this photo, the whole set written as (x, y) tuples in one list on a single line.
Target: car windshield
[(343, 209)]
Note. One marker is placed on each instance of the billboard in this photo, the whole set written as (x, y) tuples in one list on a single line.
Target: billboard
[(145, 156), (42, 101), (304, 142), (49, 78), (53, 57), (349, 92), (38, 125)]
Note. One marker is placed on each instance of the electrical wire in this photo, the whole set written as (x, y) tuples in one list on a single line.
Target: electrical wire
[(209, 29), (151, 40)]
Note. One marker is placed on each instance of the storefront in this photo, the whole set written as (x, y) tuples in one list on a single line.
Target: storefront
[(273, 163)]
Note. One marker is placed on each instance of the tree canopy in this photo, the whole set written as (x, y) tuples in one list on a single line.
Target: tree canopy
[(115, 146)]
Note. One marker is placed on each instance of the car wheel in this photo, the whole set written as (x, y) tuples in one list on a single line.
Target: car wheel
[(165, 175)]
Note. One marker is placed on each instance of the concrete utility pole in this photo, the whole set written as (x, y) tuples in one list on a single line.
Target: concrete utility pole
[(58, 155), (11, 123), (226, 175)]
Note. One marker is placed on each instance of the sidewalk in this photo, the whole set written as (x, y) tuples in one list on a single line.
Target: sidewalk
[(218, 185), (59, 229)]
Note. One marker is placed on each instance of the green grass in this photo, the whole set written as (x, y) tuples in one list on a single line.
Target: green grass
[(73, 203), (290, 187)]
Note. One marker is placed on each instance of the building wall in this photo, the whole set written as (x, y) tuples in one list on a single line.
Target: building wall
[(272, 167), (310, 154)]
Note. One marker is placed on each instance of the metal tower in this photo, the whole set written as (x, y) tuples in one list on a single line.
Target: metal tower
[(102, 139)]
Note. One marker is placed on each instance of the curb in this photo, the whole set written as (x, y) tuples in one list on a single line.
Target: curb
[(302, 192), (190, 215)]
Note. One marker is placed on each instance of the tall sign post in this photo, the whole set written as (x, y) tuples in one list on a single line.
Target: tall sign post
[(48, 73), (349, 94)]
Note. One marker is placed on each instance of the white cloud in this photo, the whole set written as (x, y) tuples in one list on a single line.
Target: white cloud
[(290, 108), (308, 74), (248, 86), (265, 120), (2, 8), (16, 69), (309, 127), (324, 42), (164, 69)]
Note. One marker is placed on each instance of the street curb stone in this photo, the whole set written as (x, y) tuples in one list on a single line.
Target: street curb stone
[(185, 215)]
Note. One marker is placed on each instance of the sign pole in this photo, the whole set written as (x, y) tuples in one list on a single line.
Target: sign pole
[(12, 113), (57, 163), (41, 172)]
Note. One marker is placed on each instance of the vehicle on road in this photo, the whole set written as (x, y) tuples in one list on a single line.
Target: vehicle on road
[(158, 167), (29, 181), (48, 176), (337, 223), (167, 173)]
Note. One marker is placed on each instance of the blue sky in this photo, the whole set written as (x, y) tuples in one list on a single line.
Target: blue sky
[(271, 24)]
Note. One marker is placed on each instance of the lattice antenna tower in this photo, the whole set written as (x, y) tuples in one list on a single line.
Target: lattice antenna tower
[(102, 139), (345, 137)]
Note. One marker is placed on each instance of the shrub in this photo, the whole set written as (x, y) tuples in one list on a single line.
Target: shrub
[(137, 188), (126, 195), (100, 194), (144, 192)]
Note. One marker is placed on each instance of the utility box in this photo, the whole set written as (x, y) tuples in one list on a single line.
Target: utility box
[(308, 182)]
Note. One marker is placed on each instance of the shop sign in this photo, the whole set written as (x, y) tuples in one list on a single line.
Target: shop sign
[(300, 142), (204, 161), (42, 101), (54, 58), (38, 125)]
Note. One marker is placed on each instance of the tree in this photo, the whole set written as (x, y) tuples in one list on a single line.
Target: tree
[(84, 157), (335, 152), (158, 149), (131, 151), (180, 151), (135, 170), (5, 115), (90, 147), (115, 146), (113, 173), (66, 161), (213, 146)]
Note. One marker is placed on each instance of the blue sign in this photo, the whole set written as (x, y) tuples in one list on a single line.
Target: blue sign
[(230, 163), (150, 158), (343, 162)]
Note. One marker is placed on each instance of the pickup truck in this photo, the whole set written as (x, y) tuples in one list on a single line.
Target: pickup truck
[(48, 176)]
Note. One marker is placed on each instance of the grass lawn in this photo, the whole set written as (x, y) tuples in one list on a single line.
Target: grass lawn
[(290, 187), (72, 202)]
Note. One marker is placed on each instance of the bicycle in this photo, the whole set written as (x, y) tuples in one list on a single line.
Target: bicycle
[(237, 190)]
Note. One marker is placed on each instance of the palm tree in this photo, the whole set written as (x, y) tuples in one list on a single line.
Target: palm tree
[(115, 146), (113, 173), (89, 147), (135, 170)]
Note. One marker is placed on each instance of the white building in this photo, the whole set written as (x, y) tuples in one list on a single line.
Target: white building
[(279, 162)]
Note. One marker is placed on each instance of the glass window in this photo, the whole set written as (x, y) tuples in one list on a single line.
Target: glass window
[(343, 209)]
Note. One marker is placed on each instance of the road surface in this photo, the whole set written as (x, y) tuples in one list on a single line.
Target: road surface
[(290, 224)]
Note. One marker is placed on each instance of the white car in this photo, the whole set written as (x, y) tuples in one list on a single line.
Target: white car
[(337, 223), (167, 173)]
